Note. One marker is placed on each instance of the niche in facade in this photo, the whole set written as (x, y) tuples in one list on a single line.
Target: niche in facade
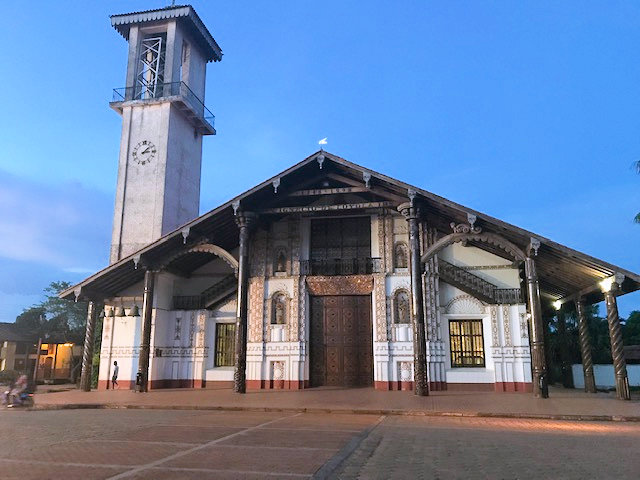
[(280, 261), (400, 255), (279, 309), (401, 307)]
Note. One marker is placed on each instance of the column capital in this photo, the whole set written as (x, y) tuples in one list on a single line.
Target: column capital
[(245, 219), (409, 211)]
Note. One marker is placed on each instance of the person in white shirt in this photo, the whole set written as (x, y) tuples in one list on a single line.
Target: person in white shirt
[(114, 378)]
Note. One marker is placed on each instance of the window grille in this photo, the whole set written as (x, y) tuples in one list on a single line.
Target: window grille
[(225, 344), (340, 238), (467, 343)]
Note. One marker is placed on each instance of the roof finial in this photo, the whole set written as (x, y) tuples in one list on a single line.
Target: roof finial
[(322, 142)]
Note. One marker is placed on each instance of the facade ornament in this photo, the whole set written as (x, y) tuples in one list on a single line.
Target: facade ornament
[(185, 234), (465, 228), (76, 292), (460, 235), (411, 193), (619, 278), (320, 159), (366, 176), (136, 261), (534, 246), (236, 206), (276, 184), (471, 218), (464, 304)]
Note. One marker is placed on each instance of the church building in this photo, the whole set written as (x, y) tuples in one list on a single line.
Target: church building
[(326, 274)]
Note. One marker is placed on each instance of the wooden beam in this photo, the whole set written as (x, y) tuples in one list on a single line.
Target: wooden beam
[(328, 208), (327, 191), (347, 180), (375, 190)]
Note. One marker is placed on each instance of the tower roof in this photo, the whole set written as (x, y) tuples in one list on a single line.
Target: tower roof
[(184, 13)]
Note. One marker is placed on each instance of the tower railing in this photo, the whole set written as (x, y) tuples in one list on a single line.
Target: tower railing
[(165, 90)]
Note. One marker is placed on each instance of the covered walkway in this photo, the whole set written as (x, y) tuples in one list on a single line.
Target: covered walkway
[(563, 403)]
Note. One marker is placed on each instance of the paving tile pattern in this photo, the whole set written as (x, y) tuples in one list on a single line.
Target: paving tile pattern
[(170, 445), (155, 444), (481, 448)]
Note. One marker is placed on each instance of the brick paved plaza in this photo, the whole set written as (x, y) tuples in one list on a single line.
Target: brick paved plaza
[(170, 444)]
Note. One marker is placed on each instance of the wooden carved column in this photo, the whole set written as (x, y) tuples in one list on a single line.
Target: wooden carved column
[(89, 339), (585, 348), (565, 363), (435, 364), (540, 387), (410, 212), (245, 221), (615, 334), (145, 344)]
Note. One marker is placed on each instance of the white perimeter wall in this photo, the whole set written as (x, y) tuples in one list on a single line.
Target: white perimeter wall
[(605, 378)]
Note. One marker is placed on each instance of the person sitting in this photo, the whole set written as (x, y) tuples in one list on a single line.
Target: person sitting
[(18, 388)]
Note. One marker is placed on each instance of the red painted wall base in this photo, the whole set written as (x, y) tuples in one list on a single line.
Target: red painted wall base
[(515, 387), (460, 387), (526, 387), (153, 384), (277, 384)]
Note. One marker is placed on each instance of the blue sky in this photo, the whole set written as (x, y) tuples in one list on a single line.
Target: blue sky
[(524, 111)]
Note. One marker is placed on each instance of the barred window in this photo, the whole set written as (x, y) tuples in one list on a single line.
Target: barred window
[(225, 344), (467, 343)]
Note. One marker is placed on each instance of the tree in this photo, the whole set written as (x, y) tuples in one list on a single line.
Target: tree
[(56, 318), (631, 329)]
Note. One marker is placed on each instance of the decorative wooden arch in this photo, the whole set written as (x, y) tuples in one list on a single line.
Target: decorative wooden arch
[(205, 248), (464, 233)]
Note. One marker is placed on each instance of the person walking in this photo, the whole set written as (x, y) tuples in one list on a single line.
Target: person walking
[(114, 378)]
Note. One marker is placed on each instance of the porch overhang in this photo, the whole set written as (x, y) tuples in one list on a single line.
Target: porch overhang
[(564, 273)]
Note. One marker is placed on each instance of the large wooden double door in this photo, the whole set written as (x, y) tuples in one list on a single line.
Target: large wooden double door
[(341, 341)]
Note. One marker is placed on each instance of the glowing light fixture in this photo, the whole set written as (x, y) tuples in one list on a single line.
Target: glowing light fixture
[(606, 284), (557, 304)]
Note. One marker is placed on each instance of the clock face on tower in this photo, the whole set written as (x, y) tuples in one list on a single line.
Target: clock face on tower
[(143, 152)]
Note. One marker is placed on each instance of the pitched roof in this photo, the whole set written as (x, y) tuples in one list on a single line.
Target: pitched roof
[(9, 332), (563, 272), (122, 23)]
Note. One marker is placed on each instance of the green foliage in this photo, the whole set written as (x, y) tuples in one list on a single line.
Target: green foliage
[(95, 369), (631, 329), (55, 318), (558, 345)]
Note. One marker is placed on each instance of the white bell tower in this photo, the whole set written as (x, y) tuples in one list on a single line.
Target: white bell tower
[(163, 122)]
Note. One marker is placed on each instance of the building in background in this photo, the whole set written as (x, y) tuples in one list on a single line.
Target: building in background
[(58, 360)]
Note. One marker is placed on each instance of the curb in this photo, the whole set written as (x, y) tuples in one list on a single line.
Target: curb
[(417, 413)]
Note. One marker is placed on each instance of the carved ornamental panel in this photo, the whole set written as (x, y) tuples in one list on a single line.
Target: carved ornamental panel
[(348, 285)]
